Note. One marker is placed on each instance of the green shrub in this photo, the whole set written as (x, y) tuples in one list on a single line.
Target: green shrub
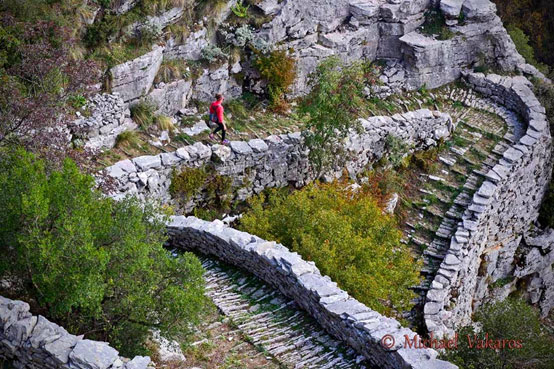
[(346, 235), (240, 10), (95, 265), (187, 183), (216, 190), (77, 101), (508, 320), (332, 108), (521, 40), (396, 149), (143, 114), (278, 68)]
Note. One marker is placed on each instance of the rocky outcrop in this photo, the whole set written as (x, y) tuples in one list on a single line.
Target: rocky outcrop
[(171, 97), (479, 39), (190, 49), (107, 117), (216, 81), (156, 23), (134, 78), (33, 342), (123, 6), (341, 315), (536, 258), (387, 29), (277, 161), (483, 249)]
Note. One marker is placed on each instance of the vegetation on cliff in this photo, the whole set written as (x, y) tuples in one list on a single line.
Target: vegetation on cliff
[(510, 336), (96, 266), (333, 107), (534, 18)]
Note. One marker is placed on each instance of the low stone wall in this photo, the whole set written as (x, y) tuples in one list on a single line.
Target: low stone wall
[(33, 342), (278, 160), (109, 116), (483, 248), (337, 312)]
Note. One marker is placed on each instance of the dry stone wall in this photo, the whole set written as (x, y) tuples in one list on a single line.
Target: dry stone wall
[(33, 342), (108, 116), (337, 312), (483, 248), (277, 161)]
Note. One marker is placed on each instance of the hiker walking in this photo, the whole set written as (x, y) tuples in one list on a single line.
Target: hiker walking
[(216, 116)]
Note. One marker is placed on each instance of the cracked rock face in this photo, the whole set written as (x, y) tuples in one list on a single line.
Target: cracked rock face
[(134, 78)]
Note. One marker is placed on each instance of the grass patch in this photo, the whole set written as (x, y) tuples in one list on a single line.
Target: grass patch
[(143, 114), (129, 139)]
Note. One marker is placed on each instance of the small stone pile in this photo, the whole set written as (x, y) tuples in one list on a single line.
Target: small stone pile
[(109, 116), (36, 343)]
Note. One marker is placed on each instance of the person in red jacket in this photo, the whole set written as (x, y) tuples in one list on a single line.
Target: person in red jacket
[(216, 116)]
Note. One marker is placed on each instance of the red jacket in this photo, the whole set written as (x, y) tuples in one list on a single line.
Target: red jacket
[(217, 108)]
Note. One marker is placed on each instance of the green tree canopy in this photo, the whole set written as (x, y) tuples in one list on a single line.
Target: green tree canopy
[(333, 107), (93, 264), (346, 235)]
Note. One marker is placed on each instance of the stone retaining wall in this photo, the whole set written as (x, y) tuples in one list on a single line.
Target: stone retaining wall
[(108, 116), (483, 248), (33, 342), (337, 312), (278, 160)]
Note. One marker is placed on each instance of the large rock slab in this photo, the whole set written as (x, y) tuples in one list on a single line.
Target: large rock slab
[(134, 78), (89, 354)]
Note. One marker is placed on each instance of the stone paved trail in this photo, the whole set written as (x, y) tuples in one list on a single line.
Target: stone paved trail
[(484, 131), (273, 322)]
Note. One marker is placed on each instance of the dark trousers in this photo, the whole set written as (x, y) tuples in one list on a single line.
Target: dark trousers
[(220, 128)]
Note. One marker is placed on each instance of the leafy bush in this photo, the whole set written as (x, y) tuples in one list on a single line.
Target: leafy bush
[(534, 17), (278, 68), (240, 10), (346, 235), (38, 77), (94, 265), (143, 114), (521, 40), (332, 108), (396, 150), (212, 53), (508, 320), (216, 190)]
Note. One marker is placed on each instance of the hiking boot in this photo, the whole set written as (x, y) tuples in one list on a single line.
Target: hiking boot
[(225, 142)]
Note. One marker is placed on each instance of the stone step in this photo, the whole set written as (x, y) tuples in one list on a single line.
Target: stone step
[(274, 322)]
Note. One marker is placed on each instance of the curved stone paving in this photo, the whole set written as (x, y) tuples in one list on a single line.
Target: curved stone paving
[(273, 322)]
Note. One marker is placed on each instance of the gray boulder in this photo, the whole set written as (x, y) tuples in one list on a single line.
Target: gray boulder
[(89, 354), (134, 78)]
